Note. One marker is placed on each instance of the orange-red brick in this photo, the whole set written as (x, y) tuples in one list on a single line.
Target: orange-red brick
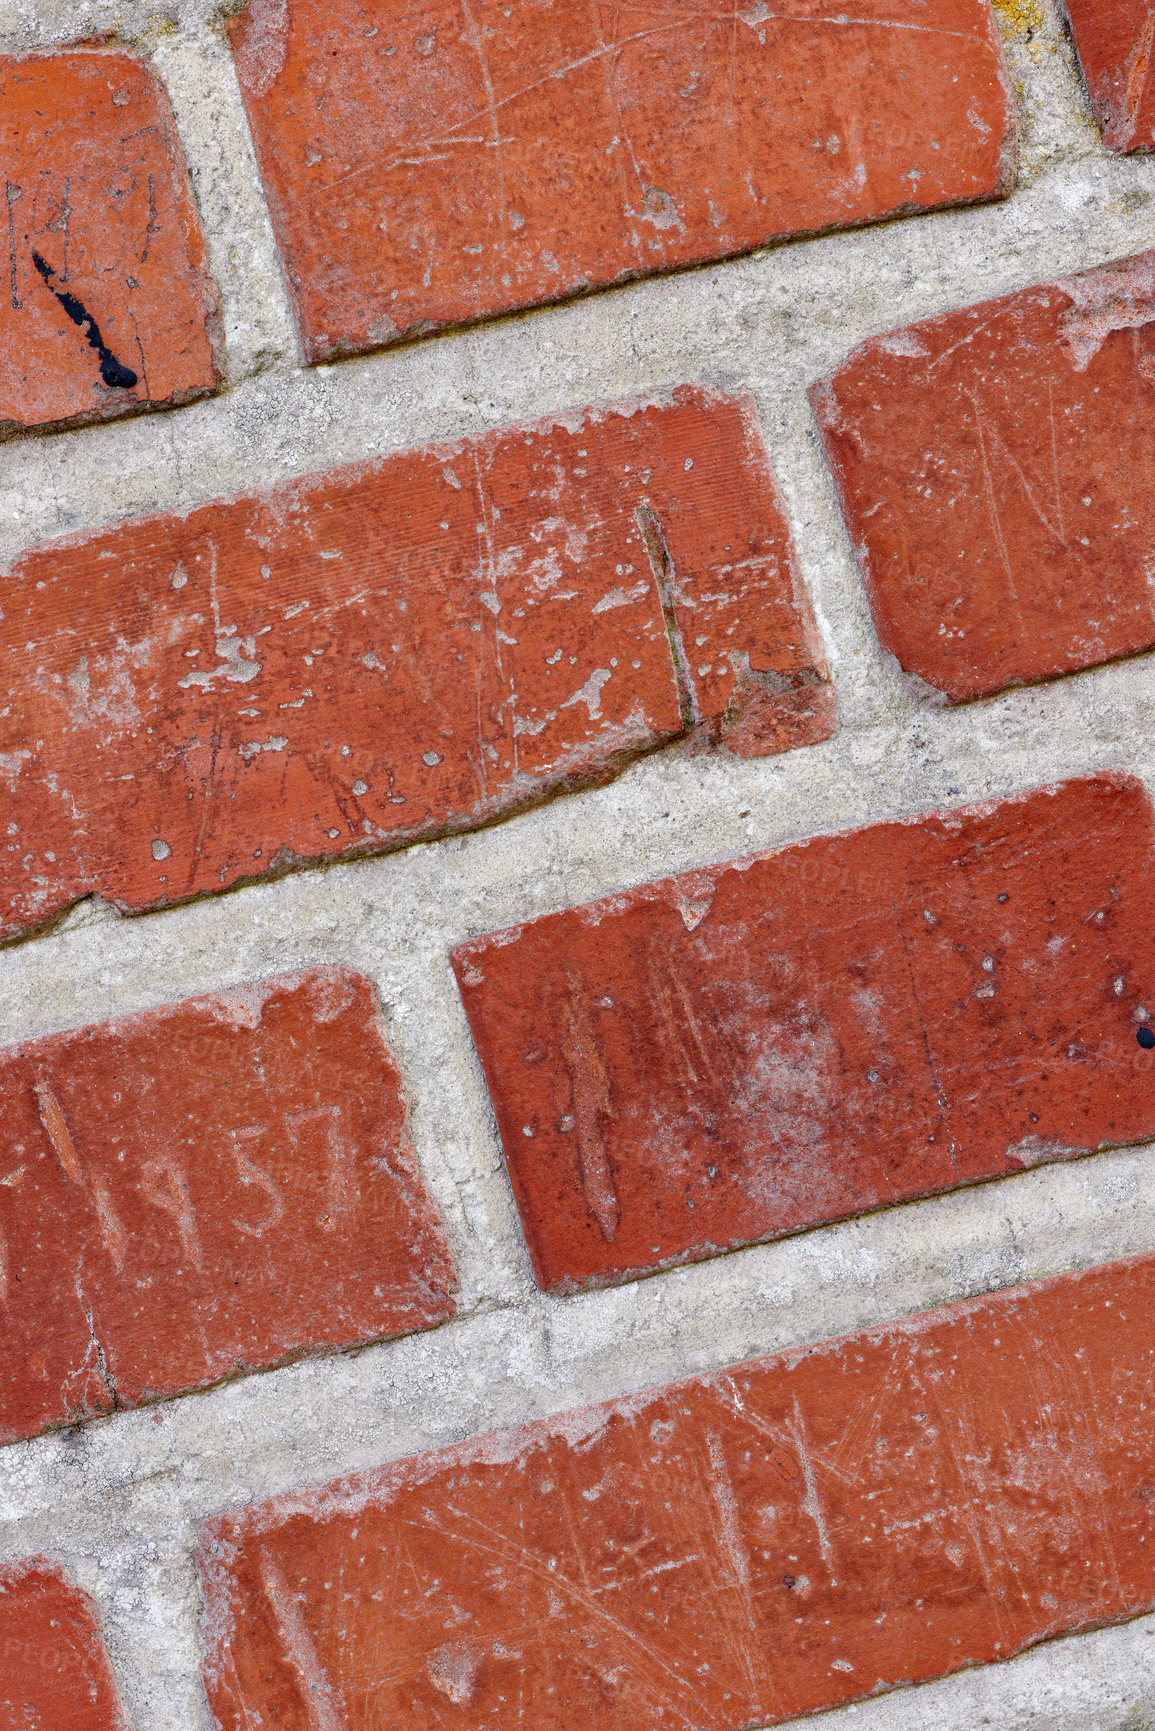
[(201, 1190), (1115, 40), (375, 655), (53, 1668), (848, 1022), (105, 299), (994, 469), (429, 165), (788, 1535)]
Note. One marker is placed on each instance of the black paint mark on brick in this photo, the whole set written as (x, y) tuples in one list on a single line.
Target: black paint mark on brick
[(1145, 1038), (114, 373)]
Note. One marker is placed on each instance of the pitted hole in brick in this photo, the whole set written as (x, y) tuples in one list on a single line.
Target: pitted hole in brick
[(1146, 1038), (453, 1669)]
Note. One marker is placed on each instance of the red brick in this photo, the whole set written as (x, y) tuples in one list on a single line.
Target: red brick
[(207, 1189), (376, 655), (430, 164), (119, 312), (1114, 39), (848, 1022), (994, 469), (785, 1536), (53, 1668)]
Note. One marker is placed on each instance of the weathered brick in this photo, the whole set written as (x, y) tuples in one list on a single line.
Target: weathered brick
[(364, 658), (848, 1022), (53, 1668), (202, 1190), (1114, 40), (429, 165), (767, 1541), (106, 303), (994, 470)]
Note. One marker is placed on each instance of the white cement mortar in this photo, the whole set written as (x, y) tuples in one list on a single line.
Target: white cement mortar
[(117, 1502)]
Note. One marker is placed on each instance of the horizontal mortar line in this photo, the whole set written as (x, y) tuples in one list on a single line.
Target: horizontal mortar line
[(1031, 267), (255, 1400), (32, 965)]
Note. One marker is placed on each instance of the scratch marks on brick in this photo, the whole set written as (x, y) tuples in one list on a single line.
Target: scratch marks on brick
[(480, 648), (13, 194), (735, 1549), (831, 1027), (190, 1151), (679, 147), (662, 566), (59, 1134), (1009, 440), (56, 1125), (477, 42), (591, 1103), (812, 1501), (320, 1703)]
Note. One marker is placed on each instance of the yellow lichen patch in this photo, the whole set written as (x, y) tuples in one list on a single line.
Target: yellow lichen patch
[(1019, 18)]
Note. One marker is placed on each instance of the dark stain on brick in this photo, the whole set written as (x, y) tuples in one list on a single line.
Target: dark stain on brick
[(114, 373)]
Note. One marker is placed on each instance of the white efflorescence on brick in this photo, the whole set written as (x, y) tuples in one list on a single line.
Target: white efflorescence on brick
[(116, 1502)]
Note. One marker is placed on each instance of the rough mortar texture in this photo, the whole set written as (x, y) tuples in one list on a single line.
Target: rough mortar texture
[(117, 1502)]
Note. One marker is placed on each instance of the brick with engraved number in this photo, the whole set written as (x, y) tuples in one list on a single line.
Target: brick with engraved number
[(784, 1536), (106, 303), (54, 1672), (376, 655), (204, 1189), (848, 1022), (994, 470), (433, 163), (1115, 40)]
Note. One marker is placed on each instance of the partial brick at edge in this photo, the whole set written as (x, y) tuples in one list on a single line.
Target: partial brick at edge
[(383, 654), (845, 1023), (107, 304), (203, 1190), (54, 1672), (1115, 41), (424, 168), (994, 470), (788, 1535)]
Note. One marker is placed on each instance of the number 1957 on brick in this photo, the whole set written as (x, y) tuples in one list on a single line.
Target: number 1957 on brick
[(212, 1187)]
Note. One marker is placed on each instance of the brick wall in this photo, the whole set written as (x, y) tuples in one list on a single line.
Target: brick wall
[(576, 972)]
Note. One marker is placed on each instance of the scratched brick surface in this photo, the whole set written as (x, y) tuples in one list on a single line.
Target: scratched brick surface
[(847, 1022), (106, 303), (54, 1674), (1114, 40), (726, 1552), (201, 1190), (430, 164), (994, 470), (359, 659)]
